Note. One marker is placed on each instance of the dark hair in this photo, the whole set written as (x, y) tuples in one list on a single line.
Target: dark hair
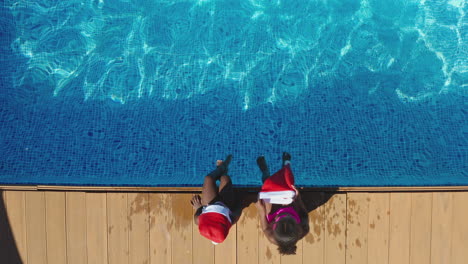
[(286, 235)]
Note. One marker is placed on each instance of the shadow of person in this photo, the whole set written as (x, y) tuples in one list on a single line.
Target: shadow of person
[(314, 199), (243, 198), (8, 250)]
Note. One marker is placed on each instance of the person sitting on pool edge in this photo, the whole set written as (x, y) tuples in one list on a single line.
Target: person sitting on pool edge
[(283, 215), (214, 209)]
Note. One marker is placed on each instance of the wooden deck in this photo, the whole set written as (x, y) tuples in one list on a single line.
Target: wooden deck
[(131, 227)]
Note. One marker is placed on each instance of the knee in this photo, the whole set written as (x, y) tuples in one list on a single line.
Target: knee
[(225, 179)]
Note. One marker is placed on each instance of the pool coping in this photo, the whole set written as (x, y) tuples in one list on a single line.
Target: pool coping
[(198, 189)]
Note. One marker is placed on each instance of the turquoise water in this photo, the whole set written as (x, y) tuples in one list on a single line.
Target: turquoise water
[(153, 92)]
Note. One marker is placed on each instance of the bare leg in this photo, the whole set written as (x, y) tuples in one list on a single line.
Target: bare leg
[(261, 162), (226, 191), (286, 158), (209, 190), (224, 181)]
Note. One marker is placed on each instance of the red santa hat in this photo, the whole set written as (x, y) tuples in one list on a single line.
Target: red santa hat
[(214, 226), (278, 188)]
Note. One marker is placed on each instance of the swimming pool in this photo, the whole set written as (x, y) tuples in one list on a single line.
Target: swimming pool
[(151, 93)]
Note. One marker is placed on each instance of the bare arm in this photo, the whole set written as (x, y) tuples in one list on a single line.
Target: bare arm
[(196, 203), (197, 213), (263, 222)]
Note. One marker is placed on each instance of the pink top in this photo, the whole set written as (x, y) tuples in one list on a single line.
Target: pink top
[(289, 210)]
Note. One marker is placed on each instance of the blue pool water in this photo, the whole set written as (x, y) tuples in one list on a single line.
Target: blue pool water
[(147, 92)]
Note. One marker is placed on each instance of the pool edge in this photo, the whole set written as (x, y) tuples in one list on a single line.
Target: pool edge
[(198, 189)]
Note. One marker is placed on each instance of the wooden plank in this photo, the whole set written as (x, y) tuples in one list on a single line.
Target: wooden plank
[(247, 236), (225, 253), (161, 222), (378, 228), (15, 221), (400, 228), (203, 249), (335, 229), (182, 228), (36, 227), (138, 226), (459, 228), (117, 221), (441, 241), (314, 242), (56, 227), (76, 227), (356, 231), (96, 227), (421, 217)]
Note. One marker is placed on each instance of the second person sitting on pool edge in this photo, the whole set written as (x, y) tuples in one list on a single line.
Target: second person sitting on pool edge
[(283, 215)]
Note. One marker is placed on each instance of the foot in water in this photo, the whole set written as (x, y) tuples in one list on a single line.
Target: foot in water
[(286, 157), (224, 164), (261, 162)]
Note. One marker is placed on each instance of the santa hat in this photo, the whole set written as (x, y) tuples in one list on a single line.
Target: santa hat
[(214, 226), (278, 188)]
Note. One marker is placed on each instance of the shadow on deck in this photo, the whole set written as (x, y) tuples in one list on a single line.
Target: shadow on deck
[(8, 250)]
